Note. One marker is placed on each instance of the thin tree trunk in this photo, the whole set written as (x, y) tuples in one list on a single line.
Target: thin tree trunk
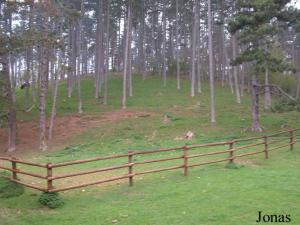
[(106, 54), (79, 59), (199, 89), (298, 86), (177, 48), (70, 63), (11, 116), (223, 45), (268, 100), (255, 107), (142, 69), (243, 80), (235, 70), (54, 100), (99, 64), (129, 69), (193, 58), (164, 44), (27, 78), (33, 84), (127, 29), (211, 70), (43, 94)]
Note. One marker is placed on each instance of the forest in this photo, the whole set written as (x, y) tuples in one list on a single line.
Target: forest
[(183, 112), (249, 46)]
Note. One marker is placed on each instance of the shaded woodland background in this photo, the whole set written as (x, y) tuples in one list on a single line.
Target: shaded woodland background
[(248, 46)]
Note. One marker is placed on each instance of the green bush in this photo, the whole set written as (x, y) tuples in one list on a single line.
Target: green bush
[(51, 200), (232, 165), (8, 188), (286, 106)]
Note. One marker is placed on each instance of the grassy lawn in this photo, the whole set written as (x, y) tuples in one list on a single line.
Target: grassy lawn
[(210, 195)]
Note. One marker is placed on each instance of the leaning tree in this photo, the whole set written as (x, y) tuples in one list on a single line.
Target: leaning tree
[(258, 23)]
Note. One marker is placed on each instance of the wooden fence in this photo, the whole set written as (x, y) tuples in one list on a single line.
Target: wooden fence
[(231, 153)]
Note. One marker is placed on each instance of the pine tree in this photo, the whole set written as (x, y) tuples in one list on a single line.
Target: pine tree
[(258, 23)]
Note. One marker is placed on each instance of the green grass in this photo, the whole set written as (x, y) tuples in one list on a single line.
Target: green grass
[(211, 194)]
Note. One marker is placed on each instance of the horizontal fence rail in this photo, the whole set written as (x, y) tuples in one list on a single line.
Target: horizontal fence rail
[(134, 167)]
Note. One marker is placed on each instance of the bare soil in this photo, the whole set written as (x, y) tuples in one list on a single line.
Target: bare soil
[(67, 128)]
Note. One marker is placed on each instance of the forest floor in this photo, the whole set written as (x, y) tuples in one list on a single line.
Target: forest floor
[(158, 117)]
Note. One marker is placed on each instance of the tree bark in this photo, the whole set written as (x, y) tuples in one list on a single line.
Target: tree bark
[(268, 100), (177, 48), (298, 86), (44, 79), (99, 62), (129, 69), (79, 59), (43, 93), (27, 78), (127, 29), (164, 44), (142, 69), (211, 70), (235, 70), (193, 58), (255, 127), (106, 54), (54, 100), (11, 115), (70, 63)]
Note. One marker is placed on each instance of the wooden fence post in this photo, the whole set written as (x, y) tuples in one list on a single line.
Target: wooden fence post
[(49, 177), (130, 167), (266, 147), (292, 139), (14, 168), (231, 151), (185, 160)]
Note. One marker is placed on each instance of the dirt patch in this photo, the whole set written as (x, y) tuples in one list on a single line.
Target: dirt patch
[(66, 129), (249, 162)]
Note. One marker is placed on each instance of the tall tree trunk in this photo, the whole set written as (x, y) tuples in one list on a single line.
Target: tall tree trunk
[(99, 62), (54, 100), (193, 58), (268, 100), (298, 86), (79, 59), (127, 29), (177, 48), (223, 44), (243, 80), (27, 78), (85, 56), (141, 67), (106, 54), (129, 69), (70, 63), (44, 79), (255, 107), (199, 89), (11, 116), (235, 70), (43, 93), (297, 65), (164, 44), (211, 70)]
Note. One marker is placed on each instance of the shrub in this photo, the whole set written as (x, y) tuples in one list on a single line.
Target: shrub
[(286, 106), (232, 165), (51, 200), (8, 188)]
